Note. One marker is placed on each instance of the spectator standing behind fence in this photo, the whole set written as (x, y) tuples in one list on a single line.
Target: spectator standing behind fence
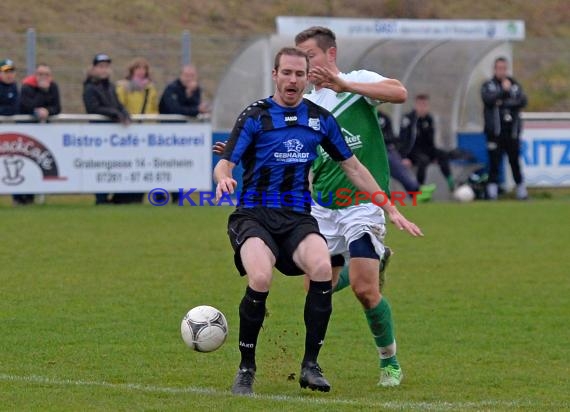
[(9, 94), (137, 93), (99, 97), (398, 170), (418, 126), (39, 97), (503, 99), (184, 95), (40, 94), (9, 106)]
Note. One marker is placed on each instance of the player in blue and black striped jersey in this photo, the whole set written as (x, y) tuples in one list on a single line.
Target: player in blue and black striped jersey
[(277, 145), (276, 139)]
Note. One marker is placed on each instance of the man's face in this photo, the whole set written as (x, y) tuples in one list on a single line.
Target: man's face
[(317, 57), (8, 77), (501, 69), (102, 70), (290, 80), (188, 76), (43, 74), (421, 107)]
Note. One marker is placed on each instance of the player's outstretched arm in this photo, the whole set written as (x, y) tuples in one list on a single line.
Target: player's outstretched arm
[(387, 90), (223, 177), (363, 180)]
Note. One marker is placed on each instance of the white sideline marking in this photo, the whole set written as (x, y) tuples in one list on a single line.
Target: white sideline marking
[(406, 405)]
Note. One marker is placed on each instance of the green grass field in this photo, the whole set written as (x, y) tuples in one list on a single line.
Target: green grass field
[(91, 301)]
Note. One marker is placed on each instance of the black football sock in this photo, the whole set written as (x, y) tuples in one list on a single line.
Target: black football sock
[(318, 308), (251, 315)]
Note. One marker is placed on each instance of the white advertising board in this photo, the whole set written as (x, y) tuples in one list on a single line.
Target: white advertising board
[(410, 29), (91, 158), (545, 153)]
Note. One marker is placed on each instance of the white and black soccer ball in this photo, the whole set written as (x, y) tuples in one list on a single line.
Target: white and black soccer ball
[(464, 194), (204, 328)]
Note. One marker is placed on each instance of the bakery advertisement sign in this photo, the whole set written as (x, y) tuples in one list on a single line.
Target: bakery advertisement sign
[(91, 158), (18, 150)]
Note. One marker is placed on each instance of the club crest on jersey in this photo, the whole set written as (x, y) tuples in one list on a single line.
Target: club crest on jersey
[(314, 123)]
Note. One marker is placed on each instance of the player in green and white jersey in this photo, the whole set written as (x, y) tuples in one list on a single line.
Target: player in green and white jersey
[(354, 231)]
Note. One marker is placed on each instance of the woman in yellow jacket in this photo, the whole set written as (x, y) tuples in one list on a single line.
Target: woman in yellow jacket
[(139, 96), (137, 92)]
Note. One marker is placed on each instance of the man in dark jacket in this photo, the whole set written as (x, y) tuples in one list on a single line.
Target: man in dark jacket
[(9, 95), (396, 149), (418, 127), (40, 94), (39, 97), (99, 94), (503, 99), (9, 106), (184, 95), (99, 97)]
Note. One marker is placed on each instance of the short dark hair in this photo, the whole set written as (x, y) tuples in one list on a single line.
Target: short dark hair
[(324, 37), (290, 51), (422, 96), (501, 59)]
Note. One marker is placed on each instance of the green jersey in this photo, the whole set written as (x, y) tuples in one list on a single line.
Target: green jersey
[(358, 120)]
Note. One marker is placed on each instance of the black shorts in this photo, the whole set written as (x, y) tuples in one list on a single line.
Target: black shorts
[(282, 230)]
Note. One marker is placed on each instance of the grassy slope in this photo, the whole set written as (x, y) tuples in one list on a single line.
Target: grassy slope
[(538, 64), (548, 18), (95, 295)]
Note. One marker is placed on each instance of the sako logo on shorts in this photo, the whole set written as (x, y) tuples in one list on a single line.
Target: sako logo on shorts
[(293, 154)]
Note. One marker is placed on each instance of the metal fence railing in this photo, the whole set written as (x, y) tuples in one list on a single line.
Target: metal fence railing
[(541, 64), (70, 55), (83, 118)]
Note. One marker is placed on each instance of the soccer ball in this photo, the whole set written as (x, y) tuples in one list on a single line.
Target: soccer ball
[(204, 328), (464, 194)]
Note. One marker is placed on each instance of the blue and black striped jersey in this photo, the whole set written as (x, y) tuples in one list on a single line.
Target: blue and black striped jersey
[(276, 146)]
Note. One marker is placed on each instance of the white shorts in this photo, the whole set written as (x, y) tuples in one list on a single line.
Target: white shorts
[(340, 227)]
